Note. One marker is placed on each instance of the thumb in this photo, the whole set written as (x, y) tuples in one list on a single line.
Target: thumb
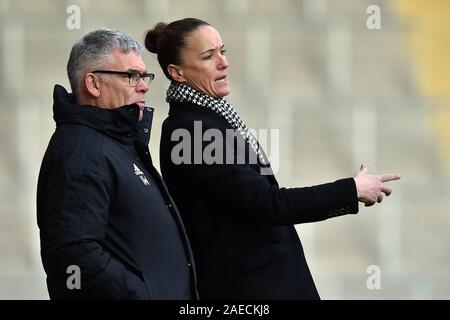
[(363, 169)]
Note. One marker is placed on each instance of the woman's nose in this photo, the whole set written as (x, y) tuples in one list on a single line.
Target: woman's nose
[(223, 62)]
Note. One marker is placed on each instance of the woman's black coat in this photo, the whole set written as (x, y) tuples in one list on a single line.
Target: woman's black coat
[(241, 223)]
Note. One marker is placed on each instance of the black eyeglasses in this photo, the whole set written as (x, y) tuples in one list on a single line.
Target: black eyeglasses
[(133, 77)]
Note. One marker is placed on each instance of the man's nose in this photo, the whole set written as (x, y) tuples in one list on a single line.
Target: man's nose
[(142, 86)]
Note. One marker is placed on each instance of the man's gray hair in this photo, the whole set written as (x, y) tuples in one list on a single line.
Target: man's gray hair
[(94, 50)]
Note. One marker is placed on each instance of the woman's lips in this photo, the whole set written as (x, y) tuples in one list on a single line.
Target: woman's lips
[(222, 79)]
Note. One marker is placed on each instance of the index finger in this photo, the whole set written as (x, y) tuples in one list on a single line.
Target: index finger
[(389, 177)]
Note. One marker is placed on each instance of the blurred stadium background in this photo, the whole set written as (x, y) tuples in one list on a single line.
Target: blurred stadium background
[(340, 94)]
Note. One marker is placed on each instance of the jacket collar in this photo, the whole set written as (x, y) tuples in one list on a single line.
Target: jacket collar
[(120, 123)]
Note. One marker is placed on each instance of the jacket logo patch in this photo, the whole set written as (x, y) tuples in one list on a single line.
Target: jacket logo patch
[(141, 175)]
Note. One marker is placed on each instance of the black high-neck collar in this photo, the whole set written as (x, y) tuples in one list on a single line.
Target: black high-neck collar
[(120, 123)]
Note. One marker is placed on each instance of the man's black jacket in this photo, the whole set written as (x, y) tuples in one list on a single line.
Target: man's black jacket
[(103, 209)]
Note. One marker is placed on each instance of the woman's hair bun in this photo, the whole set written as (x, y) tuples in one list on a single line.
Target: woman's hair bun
[(152, 37)]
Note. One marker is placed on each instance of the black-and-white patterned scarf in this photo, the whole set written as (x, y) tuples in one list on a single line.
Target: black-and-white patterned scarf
[(184, 93)]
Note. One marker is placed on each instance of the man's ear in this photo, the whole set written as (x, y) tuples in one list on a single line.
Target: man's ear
[(176, 72), (92, 84)]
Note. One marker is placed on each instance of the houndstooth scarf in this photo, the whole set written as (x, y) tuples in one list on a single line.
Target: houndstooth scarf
[(184, 93)]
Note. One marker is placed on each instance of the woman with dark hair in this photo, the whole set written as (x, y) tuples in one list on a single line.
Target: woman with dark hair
[(240, 222)]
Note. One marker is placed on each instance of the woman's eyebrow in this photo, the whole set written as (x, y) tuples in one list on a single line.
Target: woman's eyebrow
[(221, 47)]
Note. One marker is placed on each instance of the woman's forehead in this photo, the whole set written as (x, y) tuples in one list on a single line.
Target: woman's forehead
[(204, 38)]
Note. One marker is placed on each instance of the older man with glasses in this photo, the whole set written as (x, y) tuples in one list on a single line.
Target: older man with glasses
[(108, 226)]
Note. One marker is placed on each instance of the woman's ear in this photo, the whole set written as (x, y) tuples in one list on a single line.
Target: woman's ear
[(92, 84), (176, 72)]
